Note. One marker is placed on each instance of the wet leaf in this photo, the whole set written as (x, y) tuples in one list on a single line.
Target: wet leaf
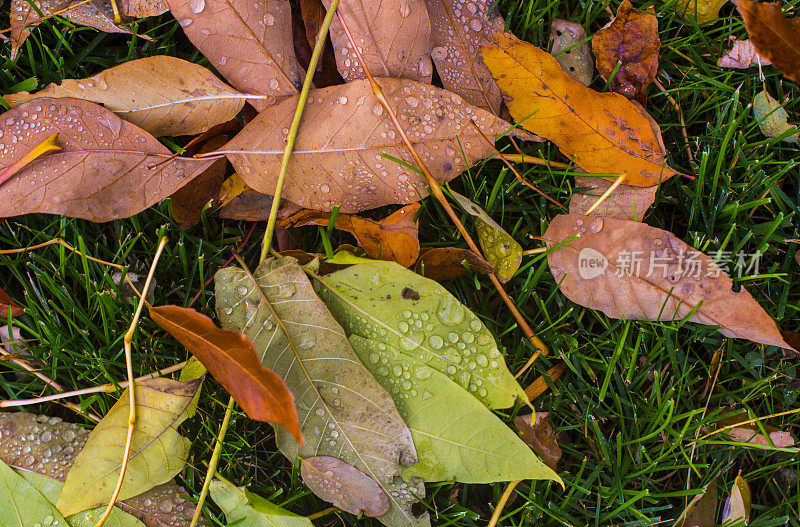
[(772, 118), (501, 249), (536, 431), (737, 507), (158, 451), (446, 263), (248, 42), (232, 360), (775, 38), (21, 505), (8, 307), (344, 412), (107, 168), (394, 38), (626, 202), (742, 55), (344, 135), (190, 200), (45, 147), (394, 238), (344, 485), (629, 270), (571, 50), (631, 40), (245, 509), (164, 95), (702, 11), (459, 28), (546, 101), (162, 506), (702, 510)]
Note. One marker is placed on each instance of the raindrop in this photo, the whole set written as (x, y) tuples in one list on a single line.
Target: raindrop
[(269, 19), (242, 290), (405, 8), (197, 6), (436, 342), (274, 84), (439, 53), (475, 24), (342, 100), (597, 225)]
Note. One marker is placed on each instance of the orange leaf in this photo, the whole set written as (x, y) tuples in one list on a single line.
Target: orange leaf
[(445, 263), (232, 360), (48, 145), (775, 38), (9, 306)]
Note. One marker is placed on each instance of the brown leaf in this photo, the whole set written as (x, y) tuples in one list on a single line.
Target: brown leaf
[(575, 58), (446, 263), (108, 168), (250, 205), (248, 42), (458, 31), (143, 8), (632, 41), (188, 202), (344, 485), (9, 307), (394, 238), (702, 510), (629, 270), (741, 56), (164, 95), (307, 22), (775, 38), (750, 432), (394, 38), (601, 132), (338, 158), (539, 435), (232, 360), (626, 202)]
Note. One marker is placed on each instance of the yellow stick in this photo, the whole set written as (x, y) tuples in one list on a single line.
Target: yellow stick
[(502, 503), (607, 193)]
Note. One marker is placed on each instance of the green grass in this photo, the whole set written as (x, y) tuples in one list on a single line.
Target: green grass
[(628, 409)]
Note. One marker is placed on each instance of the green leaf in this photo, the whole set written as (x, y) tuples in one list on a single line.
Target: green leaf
[(457, 438), (158, 451), (388, 303), (249, 510), (344, 411), (21, 505)]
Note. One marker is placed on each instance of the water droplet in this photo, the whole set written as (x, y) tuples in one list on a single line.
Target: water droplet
[(374, 358), (228, 310), (269, 19), (274, 84), (342, 100), (185, 22), (436, 342), (285, 290), (197, 6), (320, 411), (242, 290), (475, 24), (439, 53), (450, 311), (597, 225), (377, 109), (412, 101), (405, 8), (166, 506)]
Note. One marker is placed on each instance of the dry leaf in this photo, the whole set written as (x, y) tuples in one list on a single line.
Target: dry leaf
[(601, 132), (393, 36), (459, 29), (571, 50), (344, 485), (189, 201), (339, 155), (775, 38), (702, 510), (232, 360), (737, 507), (748, 435), (143, 8), (446, 263), (164, 95), (108, 168), (8, 307), (629, 270), (631, 40), (539, 435), (742, 55), (772, 118), (248, 41), (626, 202), (702, 11)]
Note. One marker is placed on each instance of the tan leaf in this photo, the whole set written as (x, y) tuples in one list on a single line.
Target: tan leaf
[(626, 202), (189, 201), (248, 42), (536, 431), (458, 31), (742, 55), (446, 263), (629, 270), (143, 8), (601, 132), (344, 485), (339, 155), (702, 510), (737, 507), (164, 95), (571, 50), (775, 38), (107, 169), (393, 36)]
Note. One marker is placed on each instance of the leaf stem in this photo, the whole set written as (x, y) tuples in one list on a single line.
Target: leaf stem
[(617, 182), (502, 503)]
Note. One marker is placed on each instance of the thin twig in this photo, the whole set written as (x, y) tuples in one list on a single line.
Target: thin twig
[(617, 182), (61, 242), (525, 158), (683, 124), (42, 19), (502, 503)]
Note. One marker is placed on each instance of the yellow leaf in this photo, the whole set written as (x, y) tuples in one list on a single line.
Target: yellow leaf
[(48, 145)]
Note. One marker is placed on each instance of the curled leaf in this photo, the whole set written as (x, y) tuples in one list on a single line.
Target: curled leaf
[(772, 118), (446, 263), (775, 38), (742, 55), (571, 50), (702, 510), (48, 145), (536, 431), (344, 485), (190, 200), (737, 507)]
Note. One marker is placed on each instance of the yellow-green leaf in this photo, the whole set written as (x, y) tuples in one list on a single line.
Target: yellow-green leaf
[(772, 118), (246, 509), (21, 505)]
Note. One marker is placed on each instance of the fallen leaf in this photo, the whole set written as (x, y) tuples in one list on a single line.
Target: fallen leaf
[(394, 39), (601, 132), (742, 55), (21, 504), (394, 238), (747, 435), (629, 46), (45, 147), (246, 509), (737, 507), (249, 43), (367, 431), (164, 95), (626, 202), (775, 38), (702, 510), (250, 205), (158, 451), (143, 8), (344, 134), (313, 14), (307, 23), (540, 385), (8, 307), (536, 431), (232, 360), (344, 485), (190, 200), (702, 11), (772, 118), (231, 187), (446, 263), (629, 270), (107, 168), (501, 250), (571, 50), (163, 506), (459, 29)]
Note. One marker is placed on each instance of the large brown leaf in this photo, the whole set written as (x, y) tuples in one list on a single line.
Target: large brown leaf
[(393, 36), (248, 41), (776, 38), (629, 270), (164, 95), (601, 132), (458, 31), (107, 168), (339, 155)]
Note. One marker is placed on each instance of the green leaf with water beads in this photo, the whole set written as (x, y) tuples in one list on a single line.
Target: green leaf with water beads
[(249, 510), (21, 505)]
